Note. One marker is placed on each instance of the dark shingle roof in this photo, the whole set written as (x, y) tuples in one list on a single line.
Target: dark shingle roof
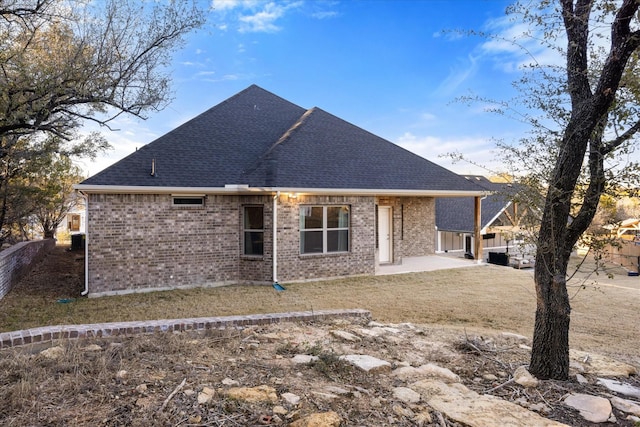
[(262, 140), (457, 213)]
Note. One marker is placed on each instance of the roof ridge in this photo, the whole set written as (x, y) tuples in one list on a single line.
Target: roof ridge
[(285, 137)]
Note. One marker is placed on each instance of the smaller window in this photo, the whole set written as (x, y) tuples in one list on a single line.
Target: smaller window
[(253, 228), (188, 201), (74, 222)]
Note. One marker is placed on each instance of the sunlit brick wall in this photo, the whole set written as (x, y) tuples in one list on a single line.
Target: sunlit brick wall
[(360, 260)]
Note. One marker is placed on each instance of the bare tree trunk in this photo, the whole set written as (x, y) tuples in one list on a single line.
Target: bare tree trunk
[(551, 333), (557, 236)]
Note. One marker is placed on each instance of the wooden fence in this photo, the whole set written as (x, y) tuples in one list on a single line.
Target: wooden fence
[(626, 255)]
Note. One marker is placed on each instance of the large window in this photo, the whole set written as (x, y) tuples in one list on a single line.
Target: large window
[(253, 230), (324, 229)]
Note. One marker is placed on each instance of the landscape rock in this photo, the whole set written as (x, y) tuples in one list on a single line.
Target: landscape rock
[(602, 365), (337, 390), (472, 409), (581, 379), (367, 363), (595, 409), (303, 359), (429, 370), (372, 333), (401, 411), (346, 336), (619, 387), (524, 378), (423, 418), (325, 395), (291, 398), (406, 395), (322, 419), (205, 395), (540, 407), (55, 352), (92, 348), (625, 405), (513, 336), (280, 410), (230, 382), (261, 393)]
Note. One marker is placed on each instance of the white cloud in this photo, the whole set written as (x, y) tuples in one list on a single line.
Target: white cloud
[(459, 75), (324, 14), (221, 5), (436, 149), (205, 73), (253, 16), (516, 45), (265, 19)]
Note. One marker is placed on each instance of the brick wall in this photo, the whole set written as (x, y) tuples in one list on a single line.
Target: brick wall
[(141, 242), (360, 260), (419, 233), (413, 226), (16, 261)]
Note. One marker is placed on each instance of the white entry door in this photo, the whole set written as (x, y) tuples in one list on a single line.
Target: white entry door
[(384, 234)]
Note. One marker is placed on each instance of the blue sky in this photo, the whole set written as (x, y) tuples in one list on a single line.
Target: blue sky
[(394, 68)]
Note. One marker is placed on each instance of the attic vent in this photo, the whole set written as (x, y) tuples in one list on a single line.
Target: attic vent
[(188, 200)]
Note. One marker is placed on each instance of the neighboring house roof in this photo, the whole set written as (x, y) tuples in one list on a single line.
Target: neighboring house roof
[(457, 213), (260, 140)]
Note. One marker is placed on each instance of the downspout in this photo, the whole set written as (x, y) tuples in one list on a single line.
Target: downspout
[(275, 238), (86, 243)]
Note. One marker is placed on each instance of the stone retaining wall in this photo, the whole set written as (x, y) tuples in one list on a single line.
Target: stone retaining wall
[(51, 333), (16, 261)]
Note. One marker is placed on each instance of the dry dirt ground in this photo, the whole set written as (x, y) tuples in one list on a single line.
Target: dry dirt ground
[(131, 380)]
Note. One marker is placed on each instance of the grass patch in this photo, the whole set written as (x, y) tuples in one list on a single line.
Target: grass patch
[(482, 297)]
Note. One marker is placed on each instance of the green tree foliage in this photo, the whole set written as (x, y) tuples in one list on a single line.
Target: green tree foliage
[(66, 62), (52, 182)]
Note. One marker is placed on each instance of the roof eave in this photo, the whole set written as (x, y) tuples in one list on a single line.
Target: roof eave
[(244, 189)]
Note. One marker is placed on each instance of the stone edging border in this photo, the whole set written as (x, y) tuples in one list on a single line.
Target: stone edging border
[(51, 333)]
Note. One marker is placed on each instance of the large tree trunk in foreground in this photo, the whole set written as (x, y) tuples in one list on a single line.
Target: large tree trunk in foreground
[(551, 334), (584, 131)]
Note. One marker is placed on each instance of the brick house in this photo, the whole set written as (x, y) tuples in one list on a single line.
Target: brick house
[(200, 206)]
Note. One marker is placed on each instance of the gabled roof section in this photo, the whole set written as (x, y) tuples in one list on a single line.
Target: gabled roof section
[(324, 151), (210, 150), (457, 213), (258, 139)]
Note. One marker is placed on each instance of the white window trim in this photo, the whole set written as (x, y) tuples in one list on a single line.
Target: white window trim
[(252, 230), (325, 229)]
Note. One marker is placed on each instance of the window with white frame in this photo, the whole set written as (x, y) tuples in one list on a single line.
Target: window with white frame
[(253, 225), (324, 229)]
